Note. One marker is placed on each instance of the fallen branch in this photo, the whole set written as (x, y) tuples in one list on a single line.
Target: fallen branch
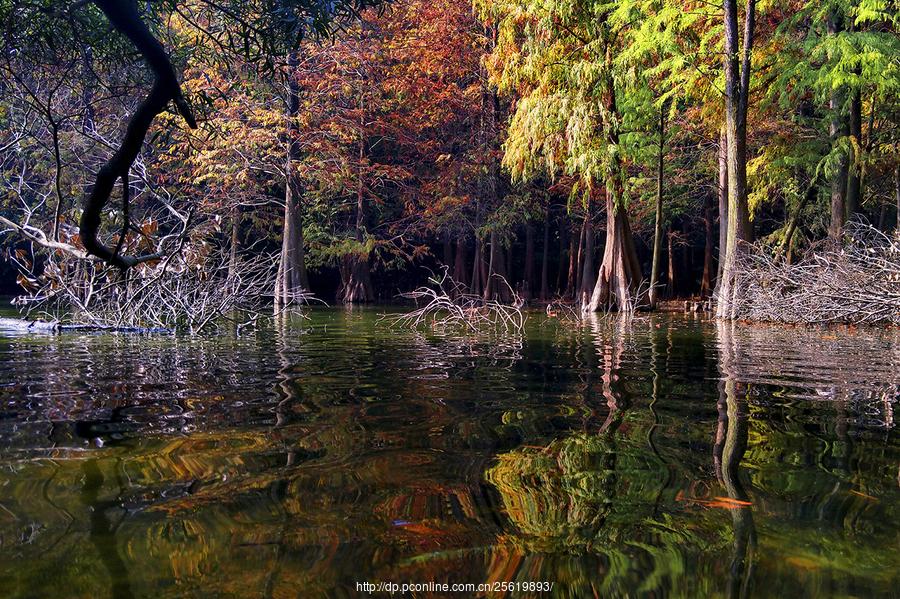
[(858, 283), (448, 306)]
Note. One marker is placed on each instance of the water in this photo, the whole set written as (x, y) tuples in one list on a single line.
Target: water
[(663, 457)]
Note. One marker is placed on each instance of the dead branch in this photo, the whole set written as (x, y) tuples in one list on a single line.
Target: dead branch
[(858, 283), (447, 306)]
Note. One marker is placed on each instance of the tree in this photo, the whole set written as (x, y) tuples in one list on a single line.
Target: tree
[(737, 93)]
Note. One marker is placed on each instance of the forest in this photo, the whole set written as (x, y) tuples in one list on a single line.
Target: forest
[(534, 298), (172, 160)]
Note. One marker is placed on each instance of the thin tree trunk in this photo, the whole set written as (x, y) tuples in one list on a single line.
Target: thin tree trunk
[(706, 284), (291, 281), (854, 191), (459, 265), (563, 245), (579, 262), (235, 239), (837, 129), (808, 196), (448, 250), (545, 255), (897, 194), (587, 269), (737, 87), (476, 286), (657, 225), (528, 276), (670, 281), (723, 202), (574, 244), (125, 18)]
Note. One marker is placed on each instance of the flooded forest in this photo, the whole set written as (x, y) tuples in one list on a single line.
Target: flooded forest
[(482, 298)]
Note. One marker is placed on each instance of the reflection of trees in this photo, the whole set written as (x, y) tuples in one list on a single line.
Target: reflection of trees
[(731, 444), (583, 507), (103, 533)]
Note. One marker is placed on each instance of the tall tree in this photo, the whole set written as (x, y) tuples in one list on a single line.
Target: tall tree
[(737, 94)]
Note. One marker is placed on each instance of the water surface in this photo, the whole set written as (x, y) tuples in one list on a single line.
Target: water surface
[(666, 456)]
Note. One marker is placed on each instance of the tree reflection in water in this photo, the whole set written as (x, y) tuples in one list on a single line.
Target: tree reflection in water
[(657, 456)]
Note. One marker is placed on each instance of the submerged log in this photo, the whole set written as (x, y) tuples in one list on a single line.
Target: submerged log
[(42, 326)]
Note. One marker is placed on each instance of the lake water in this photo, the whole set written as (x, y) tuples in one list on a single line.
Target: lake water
[(665, 456)]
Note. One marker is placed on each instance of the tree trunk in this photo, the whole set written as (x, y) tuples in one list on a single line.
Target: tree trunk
[(356, 278), (545, 255), (854, 189), (587, 269), (837, 129), (897, 195), (579, 264), (528, 276), (291, 281), (459, 264), (737, 87), (657, 225), (496, 286), (476, 286), (723, 203), (125, 18), (574, 245), (448, 250), (706, 284), (235, 239), (563, 245), (619, 271), (670, 281)]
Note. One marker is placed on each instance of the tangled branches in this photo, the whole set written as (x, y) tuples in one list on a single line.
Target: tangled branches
[(448, 306), (180, 293), (855, 284)]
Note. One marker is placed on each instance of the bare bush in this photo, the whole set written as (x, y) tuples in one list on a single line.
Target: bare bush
[(190, 292), (446, 305), (856, 283)]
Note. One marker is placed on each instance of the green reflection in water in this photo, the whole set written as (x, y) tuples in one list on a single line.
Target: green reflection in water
[(660, 457)]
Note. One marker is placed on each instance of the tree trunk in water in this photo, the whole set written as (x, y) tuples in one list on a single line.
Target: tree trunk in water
[(545, 255), (476, 287), (291, 281), (579, 263), (706, 284), (670, 281), (355, 275), (528, 276), (657, 225), (620, 272), (837, 129), (563, 245), (574, 243), (587, 269), (496, 287), (737, 87), (723, 203)]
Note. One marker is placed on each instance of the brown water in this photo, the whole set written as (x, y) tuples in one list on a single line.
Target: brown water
[(662, 457)]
